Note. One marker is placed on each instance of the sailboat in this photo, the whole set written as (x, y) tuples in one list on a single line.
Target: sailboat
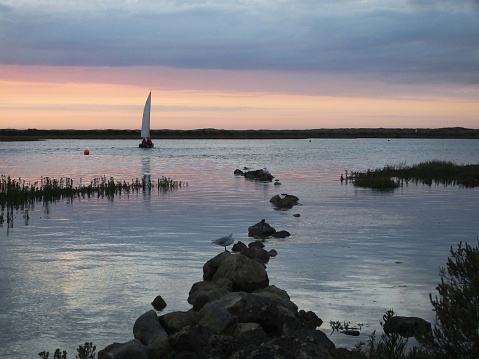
[(145, 125)]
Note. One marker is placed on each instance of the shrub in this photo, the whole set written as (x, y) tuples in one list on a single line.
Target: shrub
[(456, 329), (86, 351)]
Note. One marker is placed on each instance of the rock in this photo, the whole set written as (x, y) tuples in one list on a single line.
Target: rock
[(191, 340), (204, 292), (220, 346), (288, 201), (245, 274), (239, 247), (242, 328), (255, 250), (273, 253), (249, 252), (132, 349), (309, 320), (312, 336), (259, 175), (159, 303), (408, 327), (256, 244), (235, 314), (281, 234), (147, 326), (210, 267), (272, 289), (238, 172), (175, 321), (296, 215), (261, 230), (284, 347), (269, 309), (159, 347), (248, 335), (225, 283), (262, 256), (216, 317)]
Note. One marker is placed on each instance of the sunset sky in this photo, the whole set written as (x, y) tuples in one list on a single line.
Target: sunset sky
[(242, 64)]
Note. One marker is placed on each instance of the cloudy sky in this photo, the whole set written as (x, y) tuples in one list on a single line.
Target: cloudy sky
[(239, 64)]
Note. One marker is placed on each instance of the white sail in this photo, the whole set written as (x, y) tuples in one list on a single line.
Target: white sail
[(145, 124)]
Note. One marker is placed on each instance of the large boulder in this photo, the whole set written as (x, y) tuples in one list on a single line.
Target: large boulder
[(132, 349), (216, 317), (244, 273), (210, 267), (204, 292), (175, 321), (190, 341), (147, 326)]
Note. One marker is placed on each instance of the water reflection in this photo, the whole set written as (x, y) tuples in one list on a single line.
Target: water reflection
[(146, 179), (86, 269)]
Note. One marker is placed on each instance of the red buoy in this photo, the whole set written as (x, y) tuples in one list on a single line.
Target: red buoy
[(86, 152)]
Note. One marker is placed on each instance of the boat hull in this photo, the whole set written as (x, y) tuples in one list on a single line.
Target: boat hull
[(143, 145)]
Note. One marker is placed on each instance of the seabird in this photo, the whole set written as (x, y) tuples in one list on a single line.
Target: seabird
[(224, 241)]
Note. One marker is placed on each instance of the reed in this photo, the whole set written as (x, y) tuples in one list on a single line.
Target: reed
[(16, 193), (431, 172)]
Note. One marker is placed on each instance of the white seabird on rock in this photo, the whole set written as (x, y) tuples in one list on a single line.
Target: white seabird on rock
[(224, 241)]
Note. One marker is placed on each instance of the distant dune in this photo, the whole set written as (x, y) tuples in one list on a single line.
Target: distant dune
[(211, 133)]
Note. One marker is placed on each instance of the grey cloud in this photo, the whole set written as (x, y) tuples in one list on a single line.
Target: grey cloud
[(5, 8), (426, 44)]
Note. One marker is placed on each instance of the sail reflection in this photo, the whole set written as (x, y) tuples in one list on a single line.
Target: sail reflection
[(146, 179)]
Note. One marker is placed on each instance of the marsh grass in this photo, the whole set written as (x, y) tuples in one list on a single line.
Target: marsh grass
[(429, 173), (17, 194)]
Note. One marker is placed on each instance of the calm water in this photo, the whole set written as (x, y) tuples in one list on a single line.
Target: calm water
[(85, 270)]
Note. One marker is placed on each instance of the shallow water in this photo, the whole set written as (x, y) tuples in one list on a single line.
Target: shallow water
[(84, 270)]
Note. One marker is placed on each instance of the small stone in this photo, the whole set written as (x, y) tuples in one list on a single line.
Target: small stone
[(256, 244), (159, 303), (262, 256), (273, 253), (296, 215)]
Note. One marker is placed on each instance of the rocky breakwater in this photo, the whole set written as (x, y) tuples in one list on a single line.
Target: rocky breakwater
[(235, 314)]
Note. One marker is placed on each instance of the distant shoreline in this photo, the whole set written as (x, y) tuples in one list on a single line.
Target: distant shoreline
[(210, 133)]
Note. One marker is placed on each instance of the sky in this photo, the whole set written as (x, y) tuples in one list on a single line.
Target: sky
[(242, 64)]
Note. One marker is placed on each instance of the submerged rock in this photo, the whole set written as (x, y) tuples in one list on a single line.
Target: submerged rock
[(285, 202), (281, 234), (261, 230), (260, 175)]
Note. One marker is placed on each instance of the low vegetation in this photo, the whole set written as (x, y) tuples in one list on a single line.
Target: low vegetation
[(86, 351), (19, 194), (431, 172), (456, 329)]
